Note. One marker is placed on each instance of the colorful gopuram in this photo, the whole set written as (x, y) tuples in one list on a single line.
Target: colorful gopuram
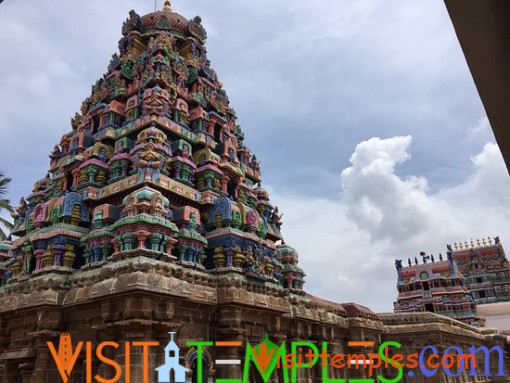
[(152, 220), (155, 164), (486, 269), (474, 273), (434, 286)]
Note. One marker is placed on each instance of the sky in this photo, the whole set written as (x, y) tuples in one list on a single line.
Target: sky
[(372, 137)]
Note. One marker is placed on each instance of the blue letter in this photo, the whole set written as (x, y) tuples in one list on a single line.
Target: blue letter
[(487, 360), (460, 365), (423, 365)]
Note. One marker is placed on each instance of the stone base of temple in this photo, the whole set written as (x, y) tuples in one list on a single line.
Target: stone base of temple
[(142, 299)]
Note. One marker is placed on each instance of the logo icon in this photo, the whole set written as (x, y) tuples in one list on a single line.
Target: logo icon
[(171, 371)]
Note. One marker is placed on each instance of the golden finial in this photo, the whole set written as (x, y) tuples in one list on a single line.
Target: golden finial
[(490, 241), (477, 243), (472, 244), (167, 7), (456, 246), (466, 245), (484, 242)]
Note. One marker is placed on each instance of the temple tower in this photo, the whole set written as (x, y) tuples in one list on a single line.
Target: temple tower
[(155, 164), (486, 269), (437, 287)]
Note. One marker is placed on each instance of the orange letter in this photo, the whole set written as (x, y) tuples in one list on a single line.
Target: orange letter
[(336, 361), (444, 361), (127, 367), (289, 361), (412, 360), (374, 366), (145, 347), (396, 360), (429, 361), (89, 363), (115, 365), (65, 358)]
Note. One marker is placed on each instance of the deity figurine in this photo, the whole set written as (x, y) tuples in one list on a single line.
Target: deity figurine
[(276, 217), (76, 121), (192, 225), (149, 158), (185, 151), (218, 221), (55, 153), (21, 210), (149, 163), (254, 163)]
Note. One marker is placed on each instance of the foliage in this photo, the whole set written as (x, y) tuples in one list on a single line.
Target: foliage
[(4, 205)]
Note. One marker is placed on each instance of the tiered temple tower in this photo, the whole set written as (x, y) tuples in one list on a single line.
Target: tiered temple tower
[(155, 164), (152, 220), (486, 269), (437, 287)]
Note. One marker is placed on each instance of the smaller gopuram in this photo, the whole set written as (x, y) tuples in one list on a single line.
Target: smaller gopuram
[(436, 286), (486, 269)]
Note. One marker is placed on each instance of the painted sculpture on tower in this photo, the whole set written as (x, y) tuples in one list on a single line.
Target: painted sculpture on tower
[(154, 164)]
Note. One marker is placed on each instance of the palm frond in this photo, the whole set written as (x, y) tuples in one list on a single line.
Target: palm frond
[(5, 223), (4, 181), (6, 204)]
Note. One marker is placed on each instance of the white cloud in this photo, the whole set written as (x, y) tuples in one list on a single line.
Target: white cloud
[(348, 246), (481, 130), (383, 204)]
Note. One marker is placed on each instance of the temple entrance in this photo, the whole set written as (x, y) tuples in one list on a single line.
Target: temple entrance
[(430, 308)]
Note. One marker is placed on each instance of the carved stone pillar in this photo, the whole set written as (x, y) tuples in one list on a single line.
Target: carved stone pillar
[(229, 252), (76, 176), (230, 329), (26, 370), (115, 244), (182, 251), (170, 243), (107, 249), (48, 257), (43, 364), (58, 250), (224, 184), (38, 258), (141, 237), (219, 257), (69, 255)]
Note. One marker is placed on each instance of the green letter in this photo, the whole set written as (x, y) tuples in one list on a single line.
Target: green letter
[(382, 349), (325, 377), (200, 351)]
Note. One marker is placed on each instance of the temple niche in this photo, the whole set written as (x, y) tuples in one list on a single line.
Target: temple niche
[(153, 219)]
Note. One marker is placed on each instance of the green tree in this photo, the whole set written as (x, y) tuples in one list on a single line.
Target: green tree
[(4, 205)]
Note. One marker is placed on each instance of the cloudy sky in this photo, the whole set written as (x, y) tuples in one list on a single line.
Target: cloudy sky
[(372, 137)]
